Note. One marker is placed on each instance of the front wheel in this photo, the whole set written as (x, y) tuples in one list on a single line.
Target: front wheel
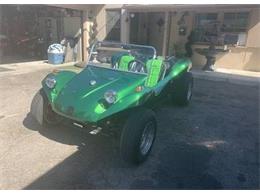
[(42, 111), (50, 118), (138, 136)]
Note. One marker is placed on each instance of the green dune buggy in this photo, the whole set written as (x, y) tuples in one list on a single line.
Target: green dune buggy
[(118, 89)]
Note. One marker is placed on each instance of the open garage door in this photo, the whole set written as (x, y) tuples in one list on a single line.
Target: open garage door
[(26, 31)]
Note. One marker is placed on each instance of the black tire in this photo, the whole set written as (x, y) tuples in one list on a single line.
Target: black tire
[(141, 122), (182, 92), (50, 118)]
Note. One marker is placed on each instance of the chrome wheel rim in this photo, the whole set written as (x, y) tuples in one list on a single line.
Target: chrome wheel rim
[(147, 138), (189, 93)]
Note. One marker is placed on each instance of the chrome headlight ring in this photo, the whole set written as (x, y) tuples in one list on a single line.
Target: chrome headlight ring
[(110, 96), (50, 82)]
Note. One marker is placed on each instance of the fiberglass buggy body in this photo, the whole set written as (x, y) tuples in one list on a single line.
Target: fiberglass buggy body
[(118, 89)]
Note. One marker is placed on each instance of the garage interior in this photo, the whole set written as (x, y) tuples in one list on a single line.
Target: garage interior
[(26, 31)]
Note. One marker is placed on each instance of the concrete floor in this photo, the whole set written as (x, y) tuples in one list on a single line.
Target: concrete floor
[(211, 144)]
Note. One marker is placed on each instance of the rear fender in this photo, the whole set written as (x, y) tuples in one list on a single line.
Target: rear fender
[(180, 67)]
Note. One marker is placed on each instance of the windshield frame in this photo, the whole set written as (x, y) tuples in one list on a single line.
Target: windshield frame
[(124, 71), (122, 45)]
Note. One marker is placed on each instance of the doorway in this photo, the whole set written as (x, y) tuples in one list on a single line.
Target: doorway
[(147, 29)]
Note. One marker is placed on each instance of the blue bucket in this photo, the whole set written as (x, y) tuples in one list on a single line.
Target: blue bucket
[(55, 54), (55, 58)]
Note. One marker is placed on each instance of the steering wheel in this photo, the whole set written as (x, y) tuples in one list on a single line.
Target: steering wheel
[(137, 66)]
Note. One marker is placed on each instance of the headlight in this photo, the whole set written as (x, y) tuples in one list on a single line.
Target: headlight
[(50, 82), (110, 96)]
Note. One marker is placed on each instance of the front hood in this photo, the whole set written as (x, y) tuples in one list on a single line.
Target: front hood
[(81, 99)]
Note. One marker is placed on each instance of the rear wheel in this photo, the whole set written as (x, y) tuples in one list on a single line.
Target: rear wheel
[(183, 90), (138, 136)]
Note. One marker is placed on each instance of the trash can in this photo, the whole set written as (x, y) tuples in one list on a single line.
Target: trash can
[(55, 54)]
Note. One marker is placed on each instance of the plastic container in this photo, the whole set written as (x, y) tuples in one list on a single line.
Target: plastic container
[(55, 58), (55, 54)]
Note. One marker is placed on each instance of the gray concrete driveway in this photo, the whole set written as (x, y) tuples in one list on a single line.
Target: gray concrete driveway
[(212, 144)]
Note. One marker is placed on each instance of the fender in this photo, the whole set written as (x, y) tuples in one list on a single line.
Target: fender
[(62, 78)]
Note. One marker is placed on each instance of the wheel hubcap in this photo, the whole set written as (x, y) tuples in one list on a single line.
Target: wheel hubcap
[(189, 93), (147, 138)]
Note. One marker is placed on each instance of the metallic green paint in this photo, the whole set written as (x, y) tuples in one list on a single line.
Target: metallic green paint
[(179, 67), (62, 78), (87, 101), (76, 98)]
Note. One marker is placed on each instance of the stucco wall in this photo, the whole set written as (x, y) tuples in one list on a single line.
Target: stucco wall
[(242, 58), (175, 38), (253, 39)]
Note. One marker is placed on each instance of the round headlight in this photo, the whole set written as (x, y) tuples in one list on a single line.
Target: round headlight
[(50, 82), (110, 96)]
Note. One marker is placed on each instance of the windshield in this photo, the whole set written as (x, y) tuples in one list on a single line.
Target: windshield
[(121, 57)]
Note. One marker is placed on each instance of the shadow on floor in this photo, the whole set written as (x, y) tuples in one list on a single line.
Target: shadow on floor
[(97, 164)]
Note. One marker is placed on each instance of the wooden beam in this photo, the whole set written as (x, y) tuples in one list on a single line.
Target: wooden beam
[(165, 34), (85, 35), (125, 26)]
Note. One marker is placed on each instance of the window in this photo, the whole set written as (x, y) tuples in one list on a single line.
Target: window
[(113, 25), (231, 30), (235, 22), (207, 19), (206, 27), (234, 27)]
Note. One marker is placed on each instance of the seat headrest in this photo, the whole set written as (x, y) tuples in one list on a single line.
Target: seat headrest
[(116, 58), (124, 61), (154, 68)]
